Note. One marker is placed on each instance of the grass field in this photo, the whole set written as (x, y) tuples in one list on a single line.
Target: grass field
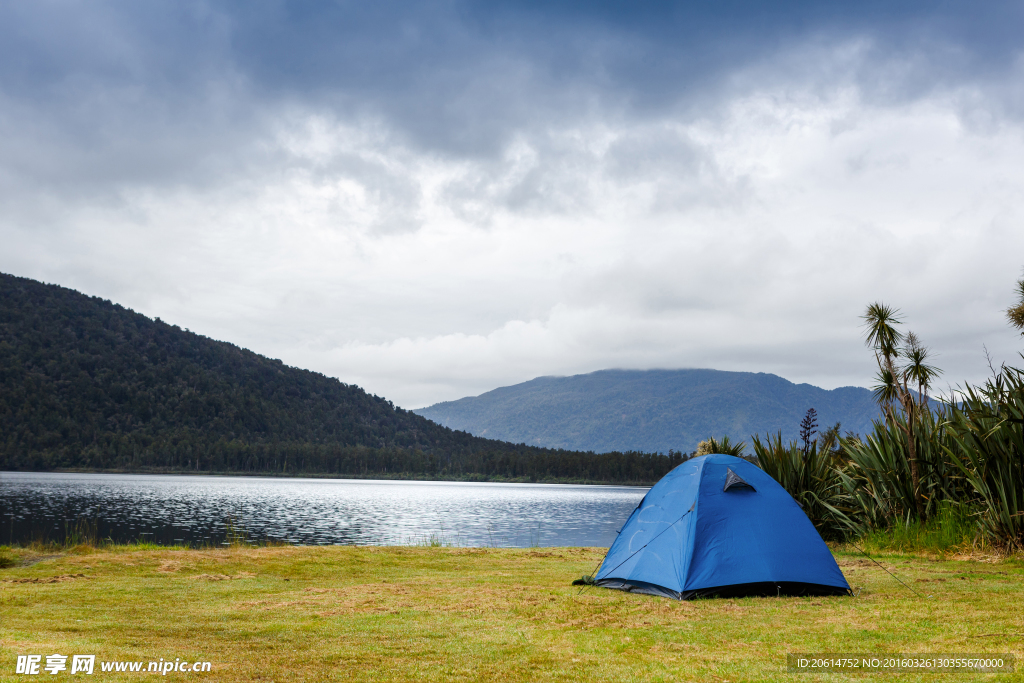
[(476, 614)]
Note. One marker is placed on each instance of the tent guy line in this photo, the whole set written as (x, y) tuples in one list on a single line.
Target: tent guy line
[(886, 571)]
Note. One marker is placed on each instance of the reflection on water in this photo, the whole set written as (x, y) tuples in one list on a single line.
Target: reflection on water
[(200, 510)]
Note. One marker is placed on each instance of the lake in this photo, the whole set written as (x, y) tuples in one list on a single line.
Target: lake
[(207, 510)]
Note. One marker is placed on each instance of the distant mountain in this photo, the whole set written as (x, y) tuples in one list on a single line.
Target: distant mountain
[(88, 384), (651, 410)]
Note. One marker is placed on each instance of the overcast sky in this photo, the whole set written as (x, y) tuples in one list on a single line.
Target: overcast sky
[(431, 200)]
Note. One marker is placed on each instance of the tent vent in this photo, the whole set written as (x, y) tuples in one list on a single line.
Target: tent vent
[(734, 481)]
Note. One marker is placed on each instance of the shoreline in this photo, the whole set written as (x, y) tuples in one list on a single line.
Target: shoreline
[(468, 478)]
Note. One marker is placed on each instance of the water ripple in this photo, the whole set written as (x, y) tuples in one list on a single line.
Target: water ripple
[(202, 510)]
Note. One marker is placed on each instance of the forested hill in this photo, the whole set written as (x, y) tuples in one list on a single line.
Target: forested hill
[(652, 410), (88, 384)]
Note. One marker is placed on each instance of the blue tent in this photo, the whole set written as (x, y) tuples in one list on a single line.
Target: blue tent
[(719, 525)]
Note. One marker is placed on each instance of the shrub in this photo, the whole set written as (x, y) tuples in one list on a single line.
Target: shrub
[(811, 475), (878, 480), (723, 446), (987, 431), (953, 528)]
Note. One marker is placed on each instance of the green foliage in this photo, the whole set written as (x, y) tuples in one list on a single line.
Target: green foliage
[(895, 384), (882, 335), (234, 534), (987, 429), (87, 384), (954, 528), (1015, 313), (723, 446), (878, 480), (82, 532), (436, 540), (863, 486), (811, 477), (916, 369), (923, 478)]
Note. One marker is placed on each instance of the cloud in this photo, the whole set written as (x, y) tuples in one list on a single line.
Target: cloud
[(805, 210), (434, 202)]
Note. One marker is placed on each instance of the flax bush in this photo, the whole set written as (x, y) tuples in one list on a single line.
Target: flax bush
[(987, 445), (877, 479), (812, 476)]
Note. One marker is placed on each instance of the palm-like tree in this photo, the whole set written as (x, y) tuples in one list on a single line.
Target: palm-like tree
[(882, 334), (894, 380), (916, 369), (885, 392), (1016, 313)]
